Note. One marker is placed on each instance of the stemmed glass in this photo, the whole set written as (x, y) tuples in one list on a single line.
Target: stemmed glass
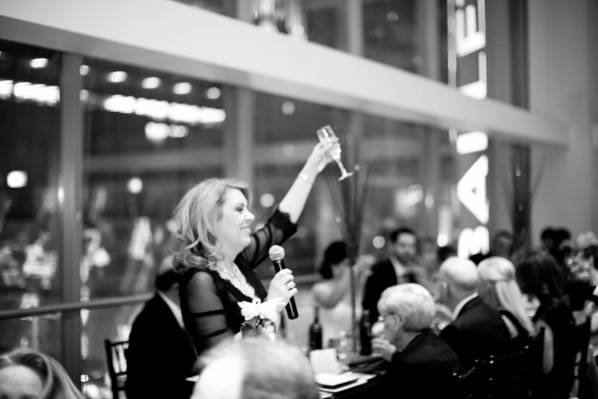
[(326, 136)]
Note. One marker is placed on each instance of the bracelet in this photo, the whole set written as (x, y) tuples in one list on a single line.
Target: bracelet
[(304, 176)]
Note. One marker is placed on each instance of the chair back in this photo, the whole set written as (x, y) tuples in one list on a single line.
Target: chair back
[(582, 333), (509, 376), (117, 366)]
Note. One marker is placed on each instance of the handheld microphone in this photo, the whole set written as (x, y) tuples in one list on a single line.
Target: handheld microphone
[(276, 254)]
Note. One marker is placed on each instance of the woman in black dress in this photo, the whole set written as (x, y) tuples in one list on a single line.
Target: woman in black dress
[(218, 252), (541, 278)]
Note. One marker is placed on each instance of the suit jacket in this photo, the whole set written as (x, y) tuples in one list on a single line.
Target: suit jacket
[(383, 276), (160, 355), (424, 369), (477, 332)]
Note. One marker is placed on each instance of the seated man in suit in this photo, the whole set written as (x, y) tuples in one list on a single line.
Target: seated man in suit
[(399, 268), (477, 330), (422, 365), (160, 355)]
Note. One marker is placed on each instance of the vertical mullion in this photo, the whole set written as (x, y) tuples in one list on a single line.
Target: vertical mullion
[(70, 188)]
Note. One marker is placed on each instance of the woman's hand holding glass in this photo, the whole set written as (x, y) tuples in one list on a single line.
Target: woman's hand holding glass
[(327, 137), (319, 157), (282, 287)]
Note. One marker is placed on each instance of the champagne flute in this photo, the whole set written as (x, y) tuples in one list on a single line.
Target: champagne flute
[(326, 136)]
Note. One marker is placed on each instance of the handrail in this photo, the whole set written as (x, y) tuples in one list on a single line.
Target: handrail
[(101, 303), (75, 306)]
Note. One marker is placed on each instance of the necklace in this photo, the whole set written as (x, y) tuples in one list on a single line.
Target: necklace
[(235, 277)]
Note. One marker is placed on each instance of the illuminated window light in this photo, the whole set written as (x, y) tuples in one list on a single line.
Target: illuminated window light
[(156, 132), (162, 110), (38, 63), (155, 109), (120, 103), (84, 95), (16, 179), (392, 16), (182, 88), (36, 92), (84, 70), (267, 200), (134, 185), (378, 242), (468, 143), (5, 89), (213, 93), (178, 131), (151, 83), (117, 77), (288, 107)]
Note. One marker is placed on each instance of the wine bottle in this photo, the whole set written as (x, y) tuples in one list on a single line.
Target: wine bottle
[(365, 334), (315, 332)]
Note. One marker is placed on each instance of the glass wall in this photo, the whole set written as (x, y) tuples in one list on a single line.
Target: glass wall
[(149, 135), (29, 137), (398, 33)]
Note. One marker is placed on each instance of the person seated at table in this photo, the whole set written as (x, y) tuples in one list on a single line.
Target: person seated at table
[(255, 368), (421, 364), (26, 373), (498, 288), (477, 330), (542, 279), (333, 293), (160, 355)]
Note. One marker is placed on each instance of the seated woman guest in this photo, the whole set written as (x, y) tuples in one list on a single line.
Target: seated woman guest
[(25, 373), (498, 288), (422, 365), (542, 279), (332, 294), (219, 252)]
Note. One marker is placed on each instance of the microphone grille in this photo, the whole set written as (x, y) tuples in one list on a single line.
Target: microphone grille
[(276, 252)]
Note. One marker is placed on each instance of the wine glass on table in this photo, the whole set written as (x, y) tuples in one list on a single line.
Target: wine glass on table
[(326, 136)]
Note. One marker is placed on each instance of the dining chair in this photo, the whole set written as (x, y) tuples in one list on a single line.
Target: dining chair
[(117, 366), (509, 376)]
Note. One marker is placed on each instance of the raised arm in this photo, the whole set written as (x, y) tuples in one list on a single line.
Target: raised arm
[(294, 200)]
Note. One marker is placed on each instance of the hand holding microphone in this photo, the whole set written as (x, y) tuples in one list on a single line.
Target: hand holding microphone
[(283, 280)]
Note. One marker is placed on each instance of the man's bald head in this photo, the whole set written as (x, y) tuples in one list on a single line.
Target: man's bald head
[(462, 274)]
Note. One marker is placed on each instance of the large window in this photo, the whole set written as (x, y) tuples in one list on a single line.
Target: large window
[(29, 145)]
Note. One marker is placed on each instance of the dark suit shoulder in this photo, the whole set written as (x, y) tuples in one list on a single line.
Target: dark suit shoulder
[(382, 267), (477, 315), (428, 349)]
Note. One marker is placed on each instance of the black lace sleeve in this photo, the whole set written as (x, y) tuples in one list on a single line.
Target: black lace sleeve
[(276, 231), (203, 311)]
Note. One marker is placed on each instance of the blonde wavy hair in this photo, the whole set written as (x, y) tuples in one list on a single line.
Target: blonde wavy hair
[(499, 288), (195, 217), (56, 383)]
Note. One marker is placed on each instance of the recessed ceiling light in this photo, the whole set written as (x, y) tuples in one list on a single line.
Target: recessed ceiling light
[(16, 179), (213, 93), (151, 83), (182, 88), (117, 77), (38, 63)]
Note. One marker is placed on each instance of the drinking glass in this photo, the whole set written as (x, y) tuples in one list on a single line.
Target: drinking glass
[(326, 136)]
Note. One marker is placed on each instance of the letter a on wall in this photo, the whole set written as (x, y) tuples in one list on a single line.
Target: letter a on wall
[(471, 189)]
